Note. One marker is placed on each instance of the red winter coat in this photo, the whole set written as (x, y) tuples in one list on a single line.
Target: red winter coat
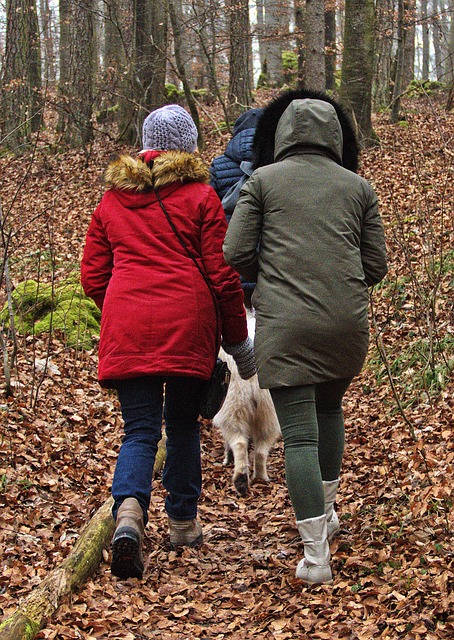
[(158, 315)]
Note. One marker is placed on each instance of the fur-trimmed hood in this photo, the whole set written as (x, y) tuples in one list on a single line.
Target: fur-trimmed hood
[(264, 139), (133, 174)]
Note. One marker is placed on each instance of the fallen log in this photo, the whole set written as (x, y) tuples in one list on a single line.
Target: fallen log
[(31, 615), (36, 609)]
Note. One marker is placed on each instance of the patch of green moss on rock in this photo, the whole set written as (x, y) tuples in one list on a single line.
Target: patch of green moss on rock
[(40, 308)]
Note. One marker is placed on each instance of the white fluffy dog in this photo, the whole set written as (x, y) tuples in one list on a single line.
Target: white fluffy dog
[(247, 416)]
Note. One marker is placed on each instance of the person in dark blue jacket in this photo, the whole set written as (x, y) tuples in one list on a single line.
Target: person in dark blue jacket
[(229, 171), (226, 169)]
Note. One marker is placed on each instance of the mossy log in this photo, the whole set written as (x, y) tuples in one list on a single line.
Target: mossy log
[(36, 609)]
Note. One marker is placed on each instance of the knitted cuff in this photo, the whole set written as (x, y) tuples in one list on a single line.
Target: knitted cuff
[(243, 354)]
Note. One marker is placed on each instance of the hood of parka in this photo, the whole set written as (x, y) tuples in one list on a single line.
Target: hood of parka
[(133, 174), (309, 125), (265, 133)]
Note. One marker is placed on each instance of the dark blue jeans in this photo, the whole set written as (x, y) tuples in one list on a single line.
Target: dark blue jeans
[(143, 409)]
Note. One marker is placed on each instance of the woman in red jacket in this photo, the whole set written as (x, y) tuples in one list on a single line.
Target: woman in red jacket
[(159, 322)]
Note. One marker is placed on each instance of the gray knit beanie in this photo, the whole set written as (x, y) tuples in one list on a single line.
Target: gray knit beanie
[(170, 127)]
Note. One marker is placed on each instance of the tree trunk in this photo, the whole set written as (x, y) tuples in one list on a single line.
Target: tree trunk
[(84, 70), (149, 69), (450, 66), (176, 22), (277, 19), (383, 53), (21, 74), (64, 50), (77, 64), (117, 61), (408, 72), (330, 46), (239, 92), (300, 7), (356, 83), (50, 74), (32, 614), (395, 109), (425, 41), (314, 45), (435, 24)]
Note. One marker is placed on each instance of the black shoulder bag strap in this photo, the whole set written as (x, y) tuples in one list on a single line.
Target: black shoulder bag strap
[(194, 260)]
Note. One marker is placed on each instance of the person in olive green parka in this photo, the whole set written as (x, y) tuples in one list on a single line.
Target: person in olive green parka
[(308, 231)]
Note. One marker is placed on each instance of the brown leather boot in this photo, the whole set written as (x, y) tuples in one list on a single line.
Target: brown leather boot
[(127, 559), (185, 533)]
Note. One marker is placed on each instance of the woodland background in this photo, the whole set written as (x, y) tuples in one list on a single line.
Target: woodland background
[(62, 117)]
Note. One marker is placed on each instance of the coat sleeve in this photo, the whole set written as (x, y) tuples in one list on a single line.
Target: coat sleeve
[(213, 175), (373, 246), (243, 235), (97, 261), (224, 279)]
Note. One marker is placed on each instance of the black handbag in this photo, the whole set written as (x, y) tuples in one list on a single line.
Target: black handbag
[(215, 389)]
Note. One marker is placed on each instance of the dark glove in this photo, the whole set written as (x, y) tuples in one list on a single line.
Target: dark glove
[(243, 354)]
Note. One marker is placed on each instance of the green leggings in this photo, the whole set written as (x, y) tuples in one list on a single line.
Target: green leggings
[(312, 425)]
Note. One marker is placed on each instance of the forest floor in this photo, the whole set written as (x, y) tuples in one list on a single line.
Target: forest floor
[(60, 434)]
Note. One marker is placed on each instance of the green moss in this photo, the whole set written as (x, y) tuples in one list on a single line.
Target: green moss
[(40, 308), (289, 66), (172, 93), (30, 300), (426, 87)]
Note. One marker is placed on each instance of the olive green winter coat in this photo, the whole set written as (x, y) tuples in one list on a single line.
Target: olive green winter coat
[(309, 233)]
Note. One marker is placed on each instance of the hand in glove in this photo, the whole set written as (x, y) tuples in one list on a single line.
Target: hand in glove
[(243, 354)]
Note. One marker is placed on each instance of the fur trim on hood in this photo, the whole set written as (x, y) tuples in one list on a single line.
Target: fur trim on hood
[(126, 172), (264, 139)]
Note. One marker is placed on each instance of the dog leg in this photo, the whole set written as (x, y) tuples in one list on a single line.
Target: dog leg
[(228, 454), (261, 451), (241, 470)]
